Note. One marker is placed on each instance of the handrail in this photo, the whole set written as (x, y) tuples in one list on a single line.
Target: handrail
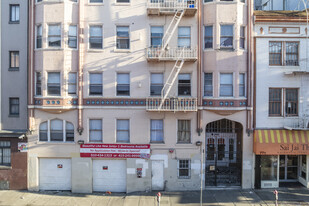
[(301, 123), (172, 4), (171, 104), (172, 54)]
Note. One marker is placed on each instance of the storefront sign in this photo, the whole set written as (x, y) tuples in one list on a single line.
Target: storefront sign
[(22, 147), (115, 150)]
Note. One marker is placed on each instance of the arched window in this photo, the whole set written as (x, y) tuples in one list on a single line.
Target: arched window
[(69, 132), (56, 130), (43, 131)]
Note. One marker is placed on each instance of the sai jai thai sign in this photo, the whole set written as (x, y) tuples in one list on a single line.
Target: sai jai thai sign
[(115, 150)]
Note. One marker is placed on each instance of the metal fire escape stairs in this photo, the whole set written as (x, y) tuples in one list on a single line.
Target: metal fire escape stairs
[(180, 59)]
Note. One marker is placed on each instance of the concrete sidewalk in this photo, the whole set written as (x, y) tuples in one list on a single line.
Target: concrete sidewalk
[(299, 196)]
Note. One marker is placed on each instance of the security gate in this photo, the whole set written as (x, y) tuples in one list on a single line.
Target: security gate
[(223, 154)]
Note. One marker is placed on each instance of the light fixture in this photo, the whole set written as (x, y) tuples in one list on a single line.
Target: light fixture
[(198, 143), (80, 141)]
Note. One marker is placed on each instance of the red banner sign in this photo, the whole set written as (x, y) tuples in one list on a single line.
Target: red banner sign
[(115, 150)]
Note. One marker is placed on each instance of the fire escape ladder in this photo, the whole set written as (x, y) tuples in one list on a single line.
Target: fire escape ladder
[(171, 30)]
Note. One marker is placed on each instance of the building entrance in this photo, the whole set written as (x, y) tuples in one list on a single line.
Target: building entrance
[(288, 168), (223, 153)]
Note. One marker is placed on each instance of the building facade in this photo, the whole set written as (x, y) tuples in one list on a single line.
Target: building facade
[(13, 94), (128, 96), (282, 98)]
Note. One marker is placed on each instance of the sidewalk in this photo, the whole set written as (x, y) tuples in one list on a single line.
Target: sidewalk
[(299, 196)]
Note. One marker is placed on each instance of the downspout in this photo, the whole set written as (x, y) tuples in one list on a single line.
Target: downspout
[(199, 128)]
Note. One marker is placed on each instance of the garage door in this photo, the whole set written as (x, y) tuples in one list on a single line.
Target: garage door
[(109, 175), (55, 174)]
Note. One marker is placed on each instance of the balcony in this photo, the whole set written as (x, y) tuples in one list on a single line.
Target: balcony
[(297, 123), (157, 54), (171, 105), (169, 7)]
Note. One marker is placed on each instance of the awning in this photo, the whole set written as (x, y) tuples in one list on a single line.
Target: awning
[(277, 142)]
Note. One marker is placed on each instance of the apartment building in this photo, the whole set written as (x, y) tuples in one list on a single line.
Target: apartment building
[(282, 98), (13, 90), (128, 96)]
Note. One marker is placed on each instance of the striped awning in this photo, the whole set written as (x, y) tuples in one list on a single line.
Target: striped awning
[(276, 142)]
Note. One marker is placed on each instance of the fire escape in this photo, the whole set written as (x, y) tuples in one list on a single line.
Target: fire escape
[(178, 9)]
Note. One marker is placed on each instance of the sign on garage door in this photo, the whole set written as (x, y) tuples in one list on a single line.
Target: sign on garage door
[(109, 175), (55, 174)]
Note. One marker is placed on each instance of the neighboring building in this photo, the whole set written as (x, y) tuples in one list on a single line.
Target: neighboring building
[(13, 94), (281, 138)]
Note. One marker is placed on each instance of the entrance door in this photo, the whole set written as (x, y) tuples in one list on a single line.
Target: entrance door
[(288, 171), (157, 175)]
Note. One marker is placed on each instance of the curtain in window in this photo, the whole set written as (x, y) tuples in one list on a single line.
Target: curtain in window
[(14, 13), (242, 85), (156, 36), (123, 131), (156, 130), (184, 131), (123, 79), (96, 78), (184, 37), (208, 37), (56, 130), (72, 83), (14, 106), (43, 131), (226, 36), (96, 38), (54, 77), (96, 84), (208, 84), (6, 156), (156, 84), (72, 36), (95, 126), (39, 36), (226, 84)]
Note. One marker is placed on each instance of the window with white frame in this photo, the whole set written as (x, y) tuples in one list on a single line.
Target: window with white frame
[(14, 13), (96, 1), (72, 84), (283, 102), (72, 36), (226, 38), (208, 38), (54, 35), (184, 36), (242, 37), (184, 169), (156, 36), (14, 60), (241, 85), (205, 1), (38, 83), (123, 37), (208, 85), (283, 53), (156, 84), (123, 1), (226, 85), (53, 83), (39, 36), (96, 37), (56, 130), (14, 106), (95, 84), (184, 131), (123, 84), (184, 84), (156, 130), (5, 153), (95, 130), (123, 130)]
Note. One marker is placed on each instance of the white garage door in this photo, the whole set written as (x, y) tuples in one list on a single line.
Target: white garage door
[(109, 175), (55, 174)]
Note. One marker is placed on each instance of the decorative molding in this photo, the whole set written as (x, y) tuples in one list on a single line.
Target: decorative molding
[(55, 102), (283, 30), (114, 102), (224, 103)]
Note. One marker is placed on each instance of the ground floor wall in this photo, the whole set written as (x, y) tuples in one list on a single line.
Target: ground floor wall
[(14, 175)]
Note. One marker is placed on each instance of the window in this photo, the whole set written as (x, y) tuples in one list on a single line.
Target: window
[(205, 1), (96, 1), (156, 36), (96, 86), (5, 153), (123, 84), (72, 41), (14, 106), (56, 130), (283, 53), (241, 85), (39, 36), (184, 169), (184, 37), (38, 83), (156, 130), (72, 83), (14, 13), (184, 131), (242, 37), (123, 37), (277, 102), (54, 35), (123, 130), (208, 39), (226, 39), (208, 89), (123, 1), (53, 83), (156, 84), (39, 0), (184, 84), (96, 37), (14, 59), (95, 130), (226, 85)]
